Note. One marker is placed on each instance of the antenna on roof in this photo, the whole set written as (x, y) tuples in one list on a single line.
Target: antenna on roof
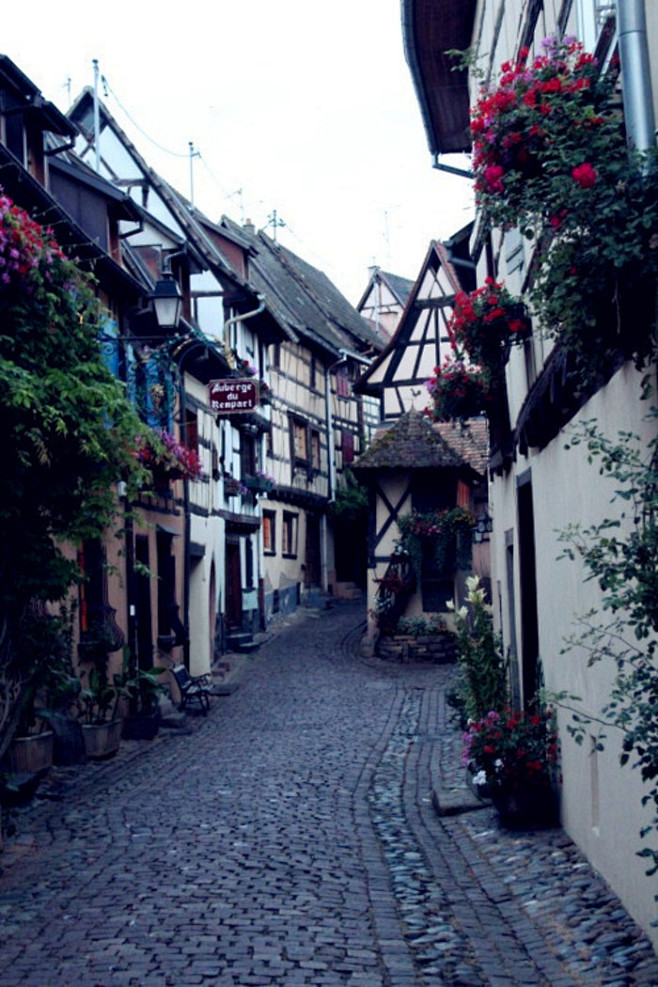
[(274, 222), (239, 192), (193, 154), (97, 120)]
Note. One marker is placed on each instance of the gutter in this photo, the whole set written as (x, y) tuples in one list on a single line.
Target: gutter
[(636, 75)]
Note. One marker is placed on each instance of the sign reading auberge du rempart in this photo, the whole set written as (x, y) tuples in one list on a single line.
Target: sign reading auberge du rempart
[(233, 395)]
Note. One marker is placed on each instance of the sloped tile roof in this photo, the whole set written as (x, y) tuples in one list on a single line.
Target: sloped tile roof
[(303, 296), (469, 439), (413, 442), (401, 287)]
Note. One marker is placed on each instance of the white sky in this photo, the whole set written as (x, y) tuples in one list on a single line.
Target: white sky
[(308, 108)]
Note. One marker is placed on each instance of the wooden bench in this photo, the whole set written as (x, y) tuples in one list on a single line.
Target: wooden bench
[(192, 690)]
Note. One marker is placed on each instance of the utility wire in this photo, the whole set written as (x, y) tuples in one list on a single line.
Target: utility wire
[(166, 150)]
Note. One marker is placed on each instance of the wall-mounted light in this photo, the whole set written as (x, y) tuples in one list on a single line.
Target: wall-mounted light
[(167, 301)]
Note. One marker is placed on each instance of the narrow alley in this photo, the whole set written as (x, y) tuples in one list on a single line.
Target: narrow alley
[(290, 838)]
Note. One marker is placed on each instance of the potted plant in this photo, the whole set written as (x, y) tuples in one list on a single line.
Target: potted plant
[(98, 706), (514, 755), (142, 688), (39, 644)]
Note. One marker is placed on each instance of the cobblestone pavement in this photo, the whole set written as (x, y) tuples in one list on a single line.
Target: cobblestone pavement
[(290, 838)]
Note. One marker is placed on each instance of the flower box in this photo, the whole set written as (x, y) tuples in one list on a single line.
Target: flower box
[(258, 484), (232, 487)]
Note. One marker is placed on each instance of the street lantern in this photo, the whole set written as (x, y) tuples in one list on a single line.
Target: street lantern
[(167, 301)]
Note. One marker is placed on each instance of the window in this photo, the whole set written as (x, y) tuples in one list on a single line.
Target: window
[(93, 587), (269, 532), (305, 444), (247, 455), (347, 446), (191, 433), (289, 535), (299, 441), (342, 383), (315, 448)]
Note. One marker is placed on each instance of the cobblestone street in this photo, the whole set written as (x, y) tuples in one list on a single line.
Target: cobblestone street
[(290, 838)]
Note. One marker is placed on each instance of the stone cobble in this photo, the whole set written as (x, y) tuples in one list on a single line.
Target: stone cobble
[(290, 838)]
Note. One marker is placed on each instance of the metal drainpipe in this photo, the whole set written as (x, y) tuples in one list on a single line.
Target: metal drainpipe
[(243, 318), (636, 76)]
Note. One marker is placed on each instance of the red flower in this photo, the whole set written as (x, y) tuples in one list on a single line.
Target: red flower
[(584, 174), (493, 176)]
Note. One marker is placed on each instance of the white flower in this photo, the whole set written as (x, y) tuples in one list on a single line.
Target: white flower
[(472, 583), (480, 778)]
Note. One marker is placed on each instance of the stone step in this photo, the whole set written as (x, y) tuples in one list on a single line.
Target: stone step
[(242, 642)]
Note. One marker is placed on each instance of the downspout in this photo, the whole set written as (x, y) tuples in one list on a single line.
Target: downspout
[(636, 76), (242, 318)]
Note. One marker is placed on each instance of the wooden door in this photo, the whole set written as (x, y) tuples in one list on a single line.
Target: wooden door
[(233, 584), (312, 555)]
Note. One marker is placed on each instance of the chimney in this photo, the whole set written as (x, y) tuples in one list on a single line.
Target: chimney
[(249, 227)]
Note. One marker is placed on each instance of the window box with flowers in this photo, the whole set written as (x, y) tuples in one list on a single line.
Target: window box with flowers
[(233, 487), (258, 483), (445, 534), (513, 756)]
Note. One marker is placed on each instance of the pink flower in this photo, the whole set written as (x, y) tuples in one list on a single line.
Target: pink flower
[(584, 174)]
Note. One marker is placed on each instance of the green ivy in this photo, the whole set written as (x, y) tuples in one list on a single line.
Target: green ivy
[(68, 431)]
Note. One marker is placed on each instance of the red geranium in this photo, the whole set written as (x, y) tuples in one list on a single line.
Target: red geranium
[(537, 126), (585, 175)]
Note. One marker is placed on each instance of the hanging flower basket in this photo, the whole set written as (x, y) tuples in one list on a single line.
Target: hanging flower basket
[(457, 391), (485, 323), (541, 132)]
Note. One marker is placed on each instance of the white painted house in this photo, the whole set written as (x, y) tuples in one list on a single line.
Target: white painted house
[(539, 486)]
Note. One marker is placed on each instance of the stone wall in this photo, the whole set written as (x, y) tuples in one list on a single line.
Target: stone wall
[(437, 649)]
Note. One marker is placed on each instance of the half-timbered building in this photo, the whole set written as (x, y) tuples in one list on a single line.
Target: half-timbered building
[(383, 301), (416, 467), (318, 424), (420, 342)]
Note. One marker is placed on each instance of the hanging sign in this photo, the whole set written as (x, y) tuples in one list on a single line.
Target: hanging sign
[(233, 395)]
